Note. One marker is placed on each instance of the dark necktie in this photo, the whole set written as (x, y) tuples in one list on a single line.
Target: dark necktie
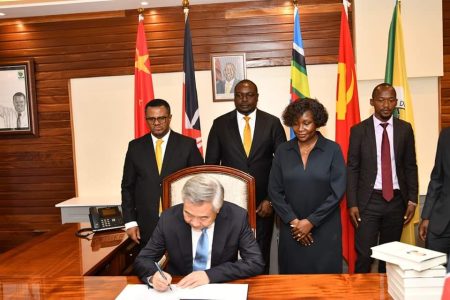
[(386, 166), (18, 120), (201, 255)]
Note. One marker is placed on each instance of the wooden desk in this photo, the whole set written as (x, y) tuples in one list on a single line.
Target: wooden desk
[(286, 287), (61, 253)]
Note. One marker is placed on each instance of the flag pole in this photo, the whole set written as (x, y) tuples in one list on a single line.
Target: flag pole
[(141, 14), (346, 4), (185, 4)]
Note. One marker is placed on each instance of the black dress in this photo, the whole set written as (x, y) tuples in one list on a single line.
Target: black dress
[(313, 193)]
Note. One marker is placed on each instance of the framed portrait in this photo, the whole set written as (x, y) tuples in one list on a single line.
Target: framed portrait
[(18, 110), (227, 70)]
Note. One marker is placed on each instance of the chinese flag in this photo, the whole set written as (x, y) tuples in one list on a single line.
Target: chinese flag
[(347, 115), (143, 85)]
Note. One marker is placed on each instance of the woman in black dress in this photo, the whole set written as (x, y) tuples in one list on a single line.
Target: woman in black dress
[(306, 184)]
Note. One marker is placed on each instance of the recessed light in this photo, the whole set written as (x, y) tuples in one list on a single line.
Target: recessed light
[(144, 2), (2, 14)]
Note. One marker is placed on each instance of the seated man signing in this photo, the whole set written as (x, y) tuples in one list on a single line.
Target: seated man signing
[(202, 237)]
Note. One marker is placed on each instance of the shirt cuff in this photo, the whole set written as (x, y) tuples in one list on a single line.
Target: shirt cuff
[(412, 203), (130, 225), (149, 281)]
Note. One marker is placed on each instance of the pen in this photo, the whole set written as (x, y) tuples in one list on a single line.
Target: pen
[(162, 274)]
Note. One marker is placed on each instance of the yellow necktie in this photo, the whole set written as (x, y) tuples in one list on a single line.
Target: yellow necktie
[(158, 155), (247, 136)]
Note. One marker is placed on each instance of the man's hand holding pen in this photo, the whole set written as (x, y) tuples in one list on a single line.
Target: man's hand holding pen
[(161, 283)]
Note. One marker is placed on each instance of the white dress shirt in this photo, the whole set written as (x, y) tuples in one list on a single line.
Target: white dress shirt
[(196, 236), (241, 123), (379, 137)]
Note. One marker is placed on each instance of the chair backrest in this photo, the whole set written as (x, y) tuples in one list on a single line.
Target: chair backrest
[(239, 187)]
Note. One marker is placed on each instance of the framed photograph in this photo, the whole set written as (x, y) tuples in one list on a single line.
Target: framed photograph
[(18, 110), (227, 70)]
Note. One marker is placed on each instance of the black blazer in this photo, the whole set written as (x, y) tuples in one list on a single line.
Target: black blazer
[(225, 147), (141, 183), (437, 204), (362, 162), (232, 233)]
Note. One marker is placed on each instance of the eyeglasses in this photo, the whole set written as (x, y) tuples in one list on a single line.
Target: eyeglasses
[(244, 95), (160, 120)]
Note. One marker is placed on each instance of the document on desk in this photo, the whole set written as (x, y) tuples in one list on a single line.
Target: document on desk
[(219, 291)]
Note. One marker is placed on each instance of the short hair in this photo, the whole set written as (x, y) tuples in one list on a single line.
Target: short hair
[(297, 108), (246, 81), (383, 85), (18, 94), (157, 103), (203, 188)]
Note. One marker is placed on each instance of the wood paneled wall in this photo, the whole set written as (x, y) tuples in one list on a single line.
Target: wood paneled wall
[(445, 81), (37, 173)]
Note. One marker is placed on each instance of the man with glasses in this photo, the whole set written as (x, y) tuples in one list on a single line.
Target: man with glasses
[(246, 139), (148, 160)]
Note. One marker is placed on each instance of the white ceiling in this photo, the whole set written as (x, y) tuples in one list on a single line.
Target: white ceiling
[(32, 8)]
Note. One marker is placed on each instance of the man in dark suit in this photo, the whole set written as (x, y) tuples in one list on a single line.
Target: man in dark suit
[(227, 147), (142, 175), (382, 185), (434, 228), (202, 236)]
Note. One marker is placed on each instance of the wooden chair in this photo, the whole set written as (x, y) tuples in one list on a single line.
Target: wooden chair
[(239, 187)]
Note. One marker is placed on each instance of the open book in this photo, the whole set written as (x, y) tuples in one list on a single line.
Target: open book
[(409, 257)]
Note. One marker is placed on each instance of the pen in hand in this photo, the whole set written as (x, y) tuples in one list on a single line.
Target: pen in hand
[(162, 273)]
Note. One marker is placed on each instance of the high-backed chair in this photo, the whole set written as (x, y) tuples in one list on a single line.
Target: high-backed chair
[(239, 187)]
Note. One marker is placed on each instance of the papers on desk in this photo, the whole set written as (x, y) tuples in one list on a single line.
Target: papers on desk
[(222, 291)]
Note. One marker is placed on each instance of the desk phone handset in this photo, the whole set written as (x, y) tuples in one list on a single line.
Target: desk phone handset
[(105, 218)]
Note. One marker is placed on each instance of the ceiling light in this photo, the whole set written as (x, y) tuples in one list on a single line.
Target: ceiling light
[(144, 2), (2, 14)]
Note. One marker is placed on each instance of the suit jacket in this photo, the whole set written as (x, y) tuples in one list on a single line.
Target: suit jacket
[(232, 233), (141, 182), (225, 147), (362, 162), (437, 203), (220, 86)]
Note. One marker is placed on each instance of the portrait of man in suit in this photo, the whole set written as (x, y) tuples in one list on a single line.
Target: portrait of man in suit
[(227, 85), (202, 237), (246, 139), (148, 160), (382, 180), (15, 117), (434, 227)]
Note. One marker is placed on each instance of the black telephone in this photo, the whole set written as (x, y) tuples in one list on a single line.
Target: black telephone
[(105, 218)]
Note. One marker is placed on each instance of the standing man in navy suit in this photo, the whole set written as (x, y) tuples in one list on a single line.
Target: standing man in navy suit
[(142, 177), (227, 147), (434, 228), (382, 185)]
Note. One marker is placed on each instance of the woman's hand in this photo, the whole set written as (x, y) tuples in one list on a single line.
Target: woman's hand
[(301, 231)]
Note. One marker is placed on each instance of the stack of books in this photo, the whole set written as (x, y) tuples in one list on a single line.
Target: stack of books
[(412, 272)]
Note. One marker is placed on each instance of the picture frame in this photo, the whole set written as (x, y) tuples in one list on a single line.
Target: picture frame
[(226, 71), (18, 109)]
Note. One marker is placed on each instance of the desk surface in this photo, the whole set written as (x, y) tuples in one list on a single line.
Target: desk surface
[(61, 253), (286, 287)]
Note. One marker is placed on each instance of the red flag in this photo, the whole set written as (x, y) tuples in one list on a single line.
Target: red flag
[(191, 113), (143, 85), (347, 115), (446, 290)]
